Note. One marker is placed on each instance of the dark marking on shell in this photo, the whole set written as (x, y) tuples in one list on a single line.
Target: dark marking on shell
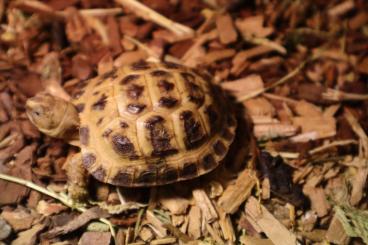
[(135, 91), (208, 162), (129, 78), (110, 74), (165, 85), (140, 65), (123, 178), (171, 65), (99, 173), (124, 125), (189, 170), (88, 159), (107, 132), (159, 73), (80, 107), (160, 137), (122, 145), (135, 108), (100, 104), (147, 177), (96, 93), (194, 133), (167, 102), (84, 135), (196, 94), (99, 121), (227, 134), (168, 175), (219, 148)]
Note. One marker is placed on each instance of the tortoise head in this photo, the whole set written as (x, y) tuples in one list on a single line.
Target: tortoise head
[(51, 115)]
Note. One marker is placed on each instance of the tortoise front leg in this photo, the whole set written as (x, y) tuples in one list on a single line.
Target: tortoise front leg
[(77, 178)]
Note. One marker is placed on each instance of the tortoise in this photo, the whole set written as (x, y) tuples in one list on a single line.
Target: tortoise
[(141, 125)]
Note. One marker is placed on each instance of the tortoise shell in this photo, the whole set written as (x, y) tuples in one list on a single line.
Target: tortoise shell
[(152, 124)]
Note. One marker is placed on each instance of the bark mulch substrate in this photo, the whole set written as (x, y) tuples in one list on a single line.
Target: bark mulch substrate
[(297, 175)]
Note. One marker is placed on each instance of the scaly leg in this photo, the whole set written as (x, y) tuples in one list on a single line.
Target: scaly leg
[(77, 178)]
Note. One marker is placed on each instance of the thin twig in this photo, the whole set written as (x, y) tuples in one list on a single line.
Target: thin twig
[(284, 79), (332, 144), (337, 95), (63, 199), (149, 14)]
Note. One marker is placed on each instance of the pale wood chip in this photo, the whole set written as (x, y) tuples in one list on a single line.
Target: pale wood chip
[(336, 233), (259, 106), (146, 234), (359, 183), (175, 204), (274, 230), (156, 224), (323, 126), (226, 29), (331, 110), (235, 194), (243, 86), (318, 199), (253, 27), (195, 221), (166, 240), (304, 108), (274, 130), (95, 238), (341, 8), (215, 233), (205, 204), (226, 225), (266, 188), (249, 240)]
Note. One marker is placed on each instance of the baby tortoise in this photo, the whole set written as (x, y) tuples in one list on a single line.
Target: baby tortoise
[(141, 125)]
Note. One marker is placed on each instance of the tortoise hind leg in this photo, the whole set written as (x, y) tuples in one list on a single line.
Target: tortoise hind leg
[(77, 178)]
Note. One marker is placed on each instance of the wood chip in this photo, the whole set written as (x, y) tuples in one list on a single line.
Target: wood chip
[(18, 219), (235, 194), (195, 222), (318, 200), (322, 126), (95, 238), (28, 237), (226, 29), (217, 55), (274, 130), (156, 224), (205, 204), (259, 107), (243, 86), (336, 233), (274, 230), (81, 220), (359, 184), (304, 108)]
